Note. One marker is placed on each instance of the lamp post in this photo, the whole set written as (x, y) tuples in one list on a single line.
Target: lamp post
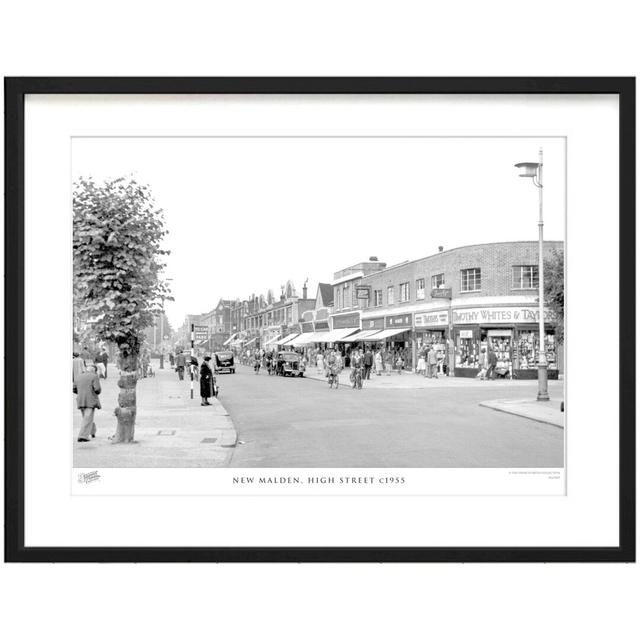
[(533, 170)]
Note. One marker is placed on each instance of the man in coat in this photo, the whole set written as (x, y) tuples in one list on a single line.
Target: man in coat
[(368, 363), (492, 360), (206, 381), (87, 387), (181, 362), (78, 366), (432, 363)]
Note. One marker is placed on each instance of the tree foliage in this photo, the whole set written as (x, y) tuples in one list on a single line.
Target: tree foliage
[(554, 289), (117, 259)]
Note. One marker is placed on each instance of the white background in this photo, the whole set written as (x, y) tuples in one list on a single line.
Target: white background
[(333, 38)]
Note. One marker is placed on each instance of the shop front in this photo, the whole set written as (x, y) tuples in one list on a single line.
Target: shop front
[(397, 336), (511, 333), (432, 329)]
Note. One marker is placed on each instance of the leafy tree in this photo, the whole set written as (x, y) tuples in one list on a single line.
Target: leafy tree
[(554, 289), (117, 260)]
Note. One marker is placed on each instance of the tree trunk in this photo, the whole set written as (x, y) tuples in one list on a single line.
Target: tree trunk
[(126, 411)]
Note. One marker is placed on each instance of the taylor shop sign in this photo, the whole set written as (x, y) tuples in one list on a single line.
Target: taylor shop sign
[(499, 315), (435, 319), (394, 322)]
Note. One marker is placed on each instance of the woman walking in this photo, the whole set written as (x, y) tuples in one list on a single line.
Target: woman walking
[(378, 362), (206, 382)]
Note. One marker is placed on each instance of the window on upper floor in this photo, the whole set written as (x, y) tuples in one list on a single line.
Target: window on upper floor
[(377, 298), (420, 291), (470, 279), (404, 292), (525, 276), (437, 281), (390, 295)]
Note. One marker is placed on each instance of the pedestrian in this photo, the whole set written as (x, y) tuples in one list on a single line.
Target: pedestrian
[(319, 361), (87, 387), (432, 363), (388, 361), (78, 366), (483, 363), (172, 359), (181, 363), (492, 360), (422, 363), (378, 362), (207, 382), (193, 365), (400, 363), (101, 361), (368, 363)]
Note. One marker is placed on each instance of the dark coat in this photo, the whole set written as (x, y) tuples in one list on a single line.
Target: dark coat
[(368, 358), (206, 381), (493, 359), (87, 386)]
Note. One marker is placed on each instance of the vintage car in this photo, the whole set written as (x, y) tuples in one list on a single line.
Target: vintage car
[(223, 362), (289, 363)]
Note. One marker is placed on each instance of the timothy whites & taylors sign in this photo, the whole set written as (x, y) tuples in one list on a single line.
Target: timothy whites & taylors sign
[(499, 315)]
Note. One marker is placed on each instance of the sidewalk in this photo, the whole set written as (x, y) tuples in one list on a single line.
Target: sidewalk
[(547, 412), (171, 429), (410, 380)]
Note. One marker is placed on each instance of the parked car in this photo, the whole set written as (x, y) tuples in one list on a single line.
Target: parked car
[(289, 363), (224, 362)]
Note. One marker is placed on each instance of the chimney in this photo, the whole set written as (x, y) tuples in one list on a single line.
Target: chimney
[(440, 249), (304, 291)]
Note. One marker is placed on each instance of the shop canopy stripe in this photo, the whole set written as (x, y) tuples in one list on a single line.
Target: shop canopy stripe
[(386, 333), (357, 337), (287, 339), (226, 342), (334, 336)]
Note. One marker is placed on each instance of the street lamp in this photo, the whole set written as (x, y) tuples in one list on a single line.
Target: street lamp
[(533, 170)]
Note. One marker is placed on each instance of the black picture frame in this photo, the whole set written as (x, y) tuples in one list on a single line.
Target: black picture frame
[(15, 91)]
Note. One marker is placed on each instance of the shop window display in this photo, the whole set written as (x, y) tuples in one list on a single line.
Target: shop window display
[(502, 346), (527, 350), (467, 355)]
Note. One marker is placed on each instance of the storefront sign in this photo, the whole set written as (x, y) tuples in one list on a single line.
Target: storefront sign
[(347, 321), (393, 322), (499, 315), (200, 332), (362, 292), (466, 333), (441, 293), (306, 327), (323, 325), (436, 319), (373, 323)]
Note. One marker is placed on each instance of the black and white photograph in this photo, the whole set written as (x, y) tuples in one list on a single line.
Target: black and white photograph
[(318, 302)]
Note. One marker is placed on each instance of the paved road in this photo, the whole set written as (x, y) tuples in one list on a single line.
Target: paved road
[(287, 422)]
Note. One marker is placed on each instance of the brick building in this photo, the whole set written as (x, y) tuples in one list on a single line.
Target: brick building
[(460, 300)]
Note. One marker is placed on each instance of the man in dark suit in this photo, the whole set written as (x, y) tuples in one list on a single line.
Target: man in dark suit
[(87, 387)]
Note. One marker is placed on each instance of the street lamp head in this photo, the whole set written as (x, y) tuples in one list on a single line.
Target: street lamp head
[(528, 169)]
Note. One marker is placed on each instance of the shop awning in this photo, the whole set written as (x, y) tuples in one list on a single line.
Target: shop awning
[(386, 333), (286, 339), (357, 337), (272, 341), (333, 336), (201, 342), (308, 338), (246, 344), (226, 342)]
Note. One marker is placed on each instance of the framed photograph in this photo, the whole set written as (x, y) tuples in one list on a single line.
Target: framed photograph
[(320, 319)]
